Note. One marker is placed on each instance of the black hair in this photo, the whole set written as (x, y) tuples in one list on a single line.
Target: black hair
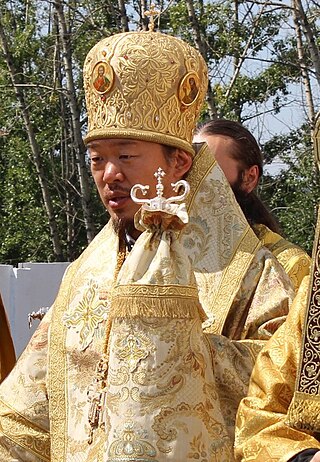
[(248, 153)]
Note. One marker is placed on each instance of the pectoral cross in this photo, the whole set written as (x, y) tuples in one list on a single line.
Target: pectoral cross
[(96, 397), (152, 13)]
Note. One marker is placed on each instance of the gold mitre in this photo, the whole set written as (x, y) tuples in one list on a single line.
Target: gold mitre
[(144, 85)]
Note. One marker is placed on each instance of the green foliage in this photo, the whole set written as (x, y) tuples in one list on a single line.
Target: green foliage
[(293, 194), (270, 64), (22, 234), (269, 68), (24, 231)]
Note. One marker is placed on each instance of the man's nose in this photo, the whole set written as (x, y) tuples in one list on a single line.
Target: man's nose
[(112, 173)]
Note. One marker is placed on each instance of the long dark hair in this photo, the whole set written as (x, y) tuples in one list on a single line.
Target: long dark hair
[(248, 153)]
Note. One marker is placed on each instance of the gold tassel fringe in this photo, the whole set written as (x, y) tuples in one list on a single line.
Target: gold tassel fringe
[(156, 302)]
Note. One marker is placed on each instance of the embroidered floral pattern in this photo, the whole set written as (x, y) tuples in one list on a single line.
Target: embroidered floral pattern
[(87, 314), (131, 444), (132, 348)]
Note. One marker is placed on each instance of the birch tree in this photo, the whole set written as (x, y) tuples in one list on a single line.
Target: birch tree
[(15, 76), (79, 147)]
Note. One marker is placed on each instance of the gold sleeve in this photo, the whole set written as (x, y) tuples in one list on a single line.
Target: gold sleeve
[(296, 263), (24, 420), (232, 363), (261, 430), (261, 314)]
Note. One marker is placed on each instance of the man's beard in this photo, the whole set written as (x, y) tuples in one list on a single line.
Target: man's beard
[(122, 225), (239, 193), (245, 200)]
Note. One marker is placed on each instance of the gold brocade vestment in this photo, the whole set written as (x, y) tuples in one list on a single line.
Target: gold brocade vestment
[(263, 433), (159, 399), (280, 416), (294, 260), (44, 404)]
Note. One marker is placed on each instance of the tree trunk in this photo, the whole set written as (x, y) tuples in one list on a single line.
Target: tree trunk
[(75, 113), (310, 36), (243, 56), (304, 69), (316, 142), (123, 16), (237, 105), (67, 154), (201, 45), (36, 155)]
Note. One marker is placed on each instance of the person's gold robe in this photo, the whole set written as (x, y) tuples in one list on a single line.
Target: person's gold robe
[(280, 416), (155, 394), (7, 353), (243, 290), (262, 431), (294, 260)]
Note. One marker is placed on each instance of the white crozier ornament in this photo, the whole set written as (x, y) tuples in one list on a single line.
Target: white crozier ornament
[(160, 203)]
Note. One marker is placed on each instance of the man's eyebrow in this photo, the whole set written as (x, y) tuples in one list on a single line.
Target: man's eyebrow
[(125, 142)]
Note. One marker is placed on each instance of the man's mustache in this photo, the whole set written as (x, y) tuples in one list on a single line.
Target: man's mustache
[(118, 188)]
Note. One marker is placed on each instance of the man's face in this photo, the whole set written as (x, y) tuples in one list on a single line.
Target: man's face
[(222, 147), (119, 164)]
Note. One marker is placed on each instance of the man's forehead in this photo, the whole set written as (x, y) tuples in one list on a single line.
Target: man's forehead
[(111, 142)]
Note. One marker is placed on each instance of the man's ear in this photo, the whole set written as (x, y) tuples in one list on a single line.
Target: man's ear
[(183, 162), (250, 178)]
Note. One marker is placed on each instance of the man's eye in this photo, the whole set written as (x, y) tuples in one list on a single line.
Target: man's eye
[(95, 159), (125, 156)]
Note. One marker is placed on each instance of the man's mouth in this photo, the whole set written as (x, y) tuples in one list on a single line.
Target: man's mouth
[(116, 200)]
